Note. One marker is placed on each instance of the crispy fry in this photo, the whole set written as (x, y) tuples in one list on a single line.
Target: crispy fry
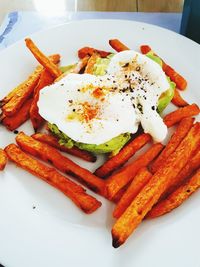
[(151, 192), (12, 123), (120, 193), (173, 75), (192, 165), (88, 51), (181, 113), (123, 156), (176, 198), (75, 151), (17, 97), (51, 155), (117, 181), (181, 131), (117, 45), (177, 99), (145, 49), (138, 182), (75, 192), (36, 119), (42, 59), (23, 93), (3, 159), (91, 62)]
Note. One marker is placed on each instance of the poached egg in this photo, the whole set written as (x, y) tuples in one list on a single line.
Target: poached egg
[(94, 109)]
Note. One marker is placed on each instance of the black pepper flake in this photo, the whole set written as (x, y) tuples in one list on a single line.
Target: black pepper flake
[(126, 76), (125, 65), (153, 107), (34, 207), (123, 99), (139, 106), (117, 119), (133, 105), (114, 81), (70, 101), (73, 109), (78, 90), (138, 68), (108, 79), (188, 191), (144, 97), (106, 144), (62, 84), (16, 132)]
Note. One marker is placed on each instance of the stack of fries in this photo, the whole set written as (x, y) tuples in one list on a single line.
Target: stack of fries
[(155, 183)]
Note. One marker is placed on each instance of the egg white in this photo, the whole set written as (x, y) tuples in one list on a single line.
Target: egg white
[(119, 112)]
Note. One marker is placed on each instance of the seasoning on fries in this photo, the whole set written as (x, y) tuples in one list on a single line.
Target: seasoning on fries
[(75, 151), (181, 131), (123, 156), (117, 181), (88, 51), (139, 181), (152, 191), (51, 155), (12, 123), (3, 159), (181, 113), (42, 59), (75, 192), (178, 100), (176, 198), (117, 45), (91, 62)]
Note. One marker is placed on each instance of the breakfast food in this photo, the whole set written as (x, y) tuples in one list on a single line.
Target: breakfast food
[(109, 104)]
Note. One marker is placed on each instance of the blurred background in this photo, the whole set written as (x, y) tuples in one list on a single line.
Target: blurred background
[(53, 6)]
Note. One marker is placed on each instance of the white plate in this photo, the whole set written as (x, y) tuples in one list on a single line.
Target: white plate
[(56, 233)]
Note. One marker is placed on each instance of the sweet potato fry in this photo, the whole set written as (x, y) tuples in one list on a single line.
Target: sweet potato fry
[(192, 165), (152, 191), (173, 75), (175, 199), (91, 62), (51, 155), (17, 97), (75, 192), (45, 79), (88, 51), (181, 131), (42, 59), (12, 123), (75, 151), (117, 181), (23, 93), (138, 182), (177, 99), (181, 113), (3, 159), (123, 156), (117, 45)]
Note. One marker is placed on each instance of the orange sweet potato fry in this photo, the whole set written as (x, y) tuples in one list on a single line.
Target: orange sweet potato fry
[(75, 192), (117, 181), (176, 198), (91, 62), (18, 96), (3, 159), (181, 131), (45, 79), (75, 151), (88, 51), (117, 45), (178, 100), (181, 113), (152, 191), (169, 71), (12, 123), (42, 59), (123, 156), (51, 155), (192, 165), (138, 182)]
